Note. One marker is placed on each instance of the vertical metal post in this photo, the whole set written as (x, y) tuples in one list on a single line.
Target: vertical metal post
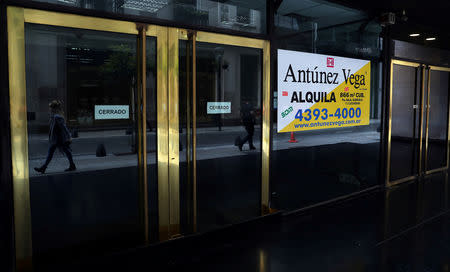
[(422, 101), (385, 111), (194, 129), (6, 188), (174, 133), (162, 133), (389, 125), (427, 120), (19, 138)]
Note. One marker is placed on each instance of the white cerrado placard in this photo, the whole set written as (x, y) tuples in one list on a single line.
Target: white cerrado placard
[(112, 112), (218, 107), (321, 91)]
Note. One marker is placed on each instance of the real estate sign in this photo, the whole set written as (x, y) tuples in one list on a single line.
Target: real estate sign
[(319, 91)]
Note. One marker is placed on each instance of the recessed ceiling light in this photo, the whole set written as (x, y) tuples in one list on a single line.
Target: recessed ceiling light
[(414, 35), (430, 39)]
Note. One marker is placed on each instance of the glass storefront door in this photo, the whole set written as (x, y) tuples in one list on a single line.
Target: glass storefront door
[(83, 136), (84, 111), (221, 106), (419, 121), (406, 121), (127, 134)]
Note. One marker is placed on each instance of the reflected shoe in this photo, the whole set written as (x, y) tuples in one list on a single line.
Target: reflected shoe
[(252, 147), (40, 169), (71, 168)]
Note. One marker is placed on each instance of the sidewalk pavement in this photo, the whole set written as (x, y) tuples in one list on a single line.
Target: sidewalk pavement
[(89, 162)]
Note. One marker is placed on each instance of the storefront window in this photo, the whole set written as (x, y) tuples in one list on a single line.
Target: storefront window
[(83, 138), (228, 135), (245, 16), (323, 164)]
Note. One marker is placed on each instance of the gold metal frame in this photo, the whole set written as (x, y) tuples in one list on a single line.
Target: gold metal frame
[(174, 130), (265, 190), (162, 132), (19, 139), (423, 152), (17, 17), (225, 39), (391, 84), (167, 116), (432, 171)]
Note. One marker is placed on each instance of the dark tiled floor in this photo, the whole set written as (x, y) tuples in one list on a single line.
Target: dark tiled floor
[(406, 228)]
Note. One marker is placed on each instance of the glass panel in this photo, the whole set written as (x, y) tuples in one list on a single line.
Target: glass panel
[(326, 163), (229, 94), (246, 16), (81, 86), (405, 129), (438, 120), (185, 97), (322, 27)]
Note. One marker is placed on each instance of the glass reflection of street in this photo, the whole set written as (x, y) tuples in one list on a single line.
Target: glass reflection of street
[(212, 144)]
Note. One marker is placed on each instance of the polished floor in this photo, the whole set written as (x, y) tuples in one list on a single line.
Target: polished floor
[(406, 228)]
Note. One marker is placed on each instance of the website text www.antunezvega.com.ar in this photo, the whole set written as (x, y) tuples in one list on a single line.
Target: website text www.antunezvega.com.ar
[(328, 123)]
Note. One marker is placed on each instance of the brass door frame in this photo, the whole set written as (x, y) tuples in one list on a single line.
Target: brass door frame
[(17, 17), (391, 84), (200, 36), (424, 114), (167, 116), (427, 172)]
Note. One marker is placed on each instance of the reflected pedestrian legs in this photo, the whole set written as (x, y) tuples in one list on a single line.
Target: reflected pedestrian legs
[(250, 131), (51, 151)]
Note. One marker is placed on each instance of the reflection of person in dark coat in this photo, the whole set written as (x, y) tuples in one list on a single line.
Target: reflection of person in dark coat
[(58, 136), (248, 120)]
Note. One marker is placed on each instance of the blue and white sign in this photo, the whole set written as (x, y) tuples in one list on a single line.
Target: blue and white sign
[(112, 112), (218, 107)]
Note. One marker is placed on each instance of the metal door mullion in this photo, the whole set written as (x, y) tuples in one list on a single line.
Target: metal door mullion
[(389, 136), (413, 142), (142, 131), (427, 120), (422, 101), (194, 129)]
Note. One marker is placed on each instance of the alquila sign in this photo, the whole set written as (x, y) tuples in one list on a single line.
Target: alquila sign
[(319, 91)]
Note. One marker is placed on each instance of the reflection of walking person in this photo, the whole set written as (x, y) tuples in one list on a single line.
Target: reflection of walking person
[(58, 136), (248, 120)]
